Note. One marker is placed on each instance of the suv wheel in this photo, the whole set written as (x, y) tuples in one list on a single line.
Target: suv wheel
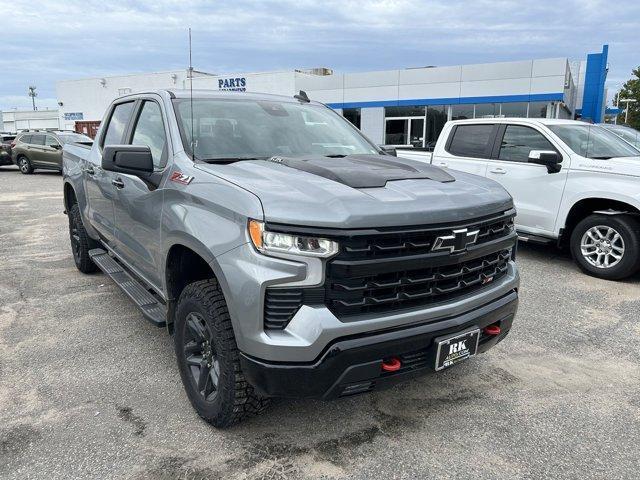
[(607, 246), (25, 165), (208, 357), (81, 243)]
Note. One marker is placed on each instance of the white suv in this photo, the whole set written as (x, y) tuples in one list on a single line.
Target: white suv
[(571, 182)]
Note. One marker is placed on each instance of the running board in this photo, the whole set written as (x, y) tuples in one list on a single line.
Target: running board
[(527, 237), (152, 309)]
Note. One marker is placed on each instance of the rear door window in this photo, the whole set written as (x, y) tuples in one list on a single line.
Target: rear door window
[(117, 124), (37, 139), (472, 140), (518, 141)]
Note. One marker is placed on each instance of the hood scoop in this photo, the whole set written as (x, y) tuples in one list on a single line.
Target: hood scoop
[(365, 171)]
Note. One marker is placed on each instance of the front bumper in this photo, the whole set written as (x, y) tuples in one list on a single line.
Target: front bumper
[(352, 365), (245, 275)]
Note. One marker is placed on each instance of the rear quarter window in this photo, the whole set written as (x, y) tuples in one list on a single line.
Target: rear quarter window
[(25, 138), (471, 140)]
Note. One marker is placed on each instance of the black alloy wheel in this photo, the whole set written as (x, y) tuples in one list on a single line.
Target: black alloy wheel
[(200, 356)]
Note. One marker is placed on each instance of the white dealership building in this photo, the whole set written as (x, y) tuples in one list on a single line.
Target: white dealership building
[(394, 107)]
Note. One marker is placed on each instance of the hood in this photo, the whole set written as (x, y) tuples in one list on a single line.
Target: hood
[(616, 165), (362, 191)]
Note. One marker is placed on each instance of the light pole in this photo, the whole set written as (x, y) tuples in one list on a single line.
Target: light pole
[(33, 95), (626, 110)]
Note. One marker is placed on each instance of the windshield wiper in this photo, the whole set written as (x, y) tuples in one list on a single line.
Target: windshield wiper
[(335, 155), (601, 158)]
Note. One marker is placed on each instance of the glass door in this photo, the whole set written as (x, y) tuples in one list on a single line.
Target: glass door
[(408, 131)]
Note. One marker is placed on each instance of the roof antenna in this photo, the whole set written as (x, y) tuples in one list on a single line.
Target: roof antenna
[(302, 96), (193, 154)]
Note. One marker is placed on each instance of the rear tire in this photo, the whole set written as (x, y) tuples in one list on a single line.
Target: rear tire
[(607, 246), (81, 243), (24, 164), (208, 357)]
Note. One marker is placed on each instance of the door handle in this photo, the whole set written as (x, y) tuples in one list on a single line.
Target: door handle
[(117, 183), (443, 164), (498, 170)]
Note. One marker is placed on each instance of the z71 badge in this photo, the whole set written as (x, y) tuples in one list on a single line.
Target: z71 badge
[(179, 177)]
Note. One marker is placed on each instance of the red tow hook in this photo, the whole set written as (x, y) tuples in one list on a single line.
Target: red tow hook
[(492, 330), (391, 365)]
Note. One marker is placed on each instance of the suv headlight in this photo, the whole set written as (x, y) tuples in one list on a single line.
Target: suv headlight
[(275, 242)]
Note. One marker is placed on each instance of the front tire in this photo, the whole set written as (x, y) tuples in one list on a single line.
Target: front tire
[(81, 243), (607, 246), (208, 357), (25, 165)]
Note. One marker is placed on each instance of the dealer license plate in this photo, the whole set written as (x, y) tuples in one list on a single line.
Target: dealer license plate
[(456, 348)]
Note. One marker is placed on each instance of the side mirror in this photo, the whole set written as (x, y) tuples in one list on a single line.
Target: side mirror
[(56, 146), (388, 150), (130, 159), (549, 158)]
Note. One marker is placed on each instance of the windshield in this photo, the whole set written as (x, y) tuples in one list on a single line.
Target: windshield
[(237, 129), (592, 141), (73, 138), (629, 134)]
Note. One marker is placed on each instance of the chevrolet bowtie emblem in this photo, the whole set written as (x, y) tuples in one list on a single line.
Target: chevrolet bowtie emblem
[(457, 241)]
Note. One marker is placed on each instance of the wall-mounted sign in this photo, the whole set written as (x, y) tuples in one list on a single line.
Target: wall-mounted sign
[(74, 116), (237, 84)]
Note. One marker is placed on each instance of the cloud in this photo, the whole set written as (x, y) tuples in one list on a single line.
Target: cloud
[(49, 41)]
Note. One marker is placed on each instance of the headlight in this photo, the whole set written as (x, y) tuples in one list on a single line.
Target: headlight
[(274, 242)]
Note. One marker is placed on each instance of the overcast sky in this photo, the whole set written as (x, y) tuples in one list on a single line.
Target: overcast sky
[(43, 42)]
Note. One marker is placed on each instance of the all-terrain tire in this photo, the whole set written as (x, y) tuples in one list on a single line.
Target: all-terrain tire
[(627, 245), (81, 243), (24, 164), (203, 331)]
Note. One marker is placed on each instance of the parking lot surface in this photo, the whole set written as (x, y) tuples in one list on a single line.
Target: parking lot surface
[(89, 389)]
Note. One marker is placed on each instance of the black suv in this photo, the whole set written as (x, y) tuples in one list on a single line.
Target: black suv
[(5, 148)]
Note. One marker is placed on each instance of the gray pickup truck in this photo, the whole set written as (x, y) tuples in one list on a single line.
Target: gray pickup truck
[(287, 254)]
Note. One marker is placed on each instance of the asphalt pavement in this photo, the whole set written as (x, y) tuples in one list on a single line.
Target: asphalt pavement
[(89, 389)]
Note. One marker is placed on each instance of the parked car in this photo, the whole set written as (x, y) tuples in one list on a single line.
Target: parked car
[(5, 148), (629, 134), (573, 183), (42, 149), (289, 256)]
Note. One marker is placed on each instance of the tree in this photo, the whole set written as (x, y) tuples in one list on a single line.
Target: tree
[(631, 90)]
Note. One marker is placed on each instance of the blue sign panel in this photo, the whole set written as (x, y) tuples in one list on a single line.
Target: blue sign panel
[(237, 84), (74, 116)]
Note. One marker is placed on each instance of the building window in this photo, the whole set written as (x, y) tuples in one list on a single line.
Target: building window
[(353, 115), (436, 118), (538, 109), (515, 109), (487, 110), (461, 112)]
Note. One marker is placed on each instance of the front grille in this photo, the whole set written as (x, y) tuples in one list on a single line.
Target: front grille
[(405, 242), (383, 292)]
